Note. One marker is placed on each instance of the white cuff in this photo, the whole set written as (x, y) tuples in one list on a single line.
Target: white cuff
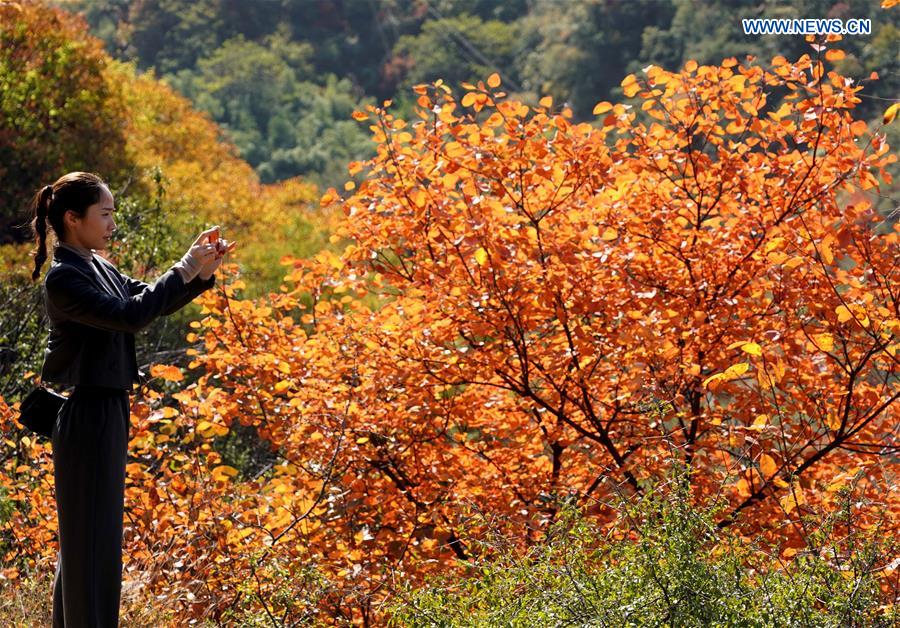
[(188, 267)]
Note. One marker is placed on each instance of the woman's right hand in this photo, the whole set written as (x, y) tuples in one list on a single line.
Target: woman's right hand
[(202, 250)]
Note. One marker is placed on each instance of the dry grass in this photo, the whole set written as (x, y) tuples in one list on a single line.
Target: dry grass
[(28, 602)]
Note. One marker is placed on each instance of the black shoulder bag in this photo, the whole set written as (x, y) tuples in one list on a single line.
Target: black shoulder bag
[(39, 408)]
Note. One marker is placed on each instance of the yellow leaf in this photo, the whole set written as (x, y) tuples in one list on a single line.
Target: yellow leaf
[(788, 503), (772, 244), (736, 370), (834, 55), (419, 198), (825, 342), (282, 385), (777, 257), (760, 422), (843, 313), (712, 378), (546, 101), (469, 99), (494, 80), (837, 482), (737, 82), (481, 256), (891, 112), (752, 348), (609, 234), (854, 311), (732, 372), (793, 499), (236, 535)]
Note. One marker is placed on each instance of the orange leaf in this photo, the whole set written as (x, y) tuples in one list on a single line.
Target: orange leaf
[(767, 465), (793, 499), (167, 372), (602, 107), (825, 249)]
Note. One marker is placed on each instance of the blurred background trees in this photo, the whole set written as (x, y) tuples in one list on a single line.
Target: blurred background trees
[(281, 76)]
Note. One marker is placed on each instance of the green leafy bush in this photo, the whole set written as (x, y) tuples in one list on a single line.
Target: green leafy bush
[(665, 563)]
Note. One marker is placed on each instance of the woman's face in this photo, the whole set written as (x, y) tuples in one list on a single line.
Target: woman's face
[(95, 228)]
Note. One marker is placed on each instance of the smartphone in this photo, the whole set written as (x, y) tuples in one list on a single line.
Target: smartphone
[(214, 237)]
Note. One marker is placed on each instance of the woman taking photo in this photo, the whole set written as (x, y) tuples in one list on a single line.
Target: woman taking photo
[(94, 313)]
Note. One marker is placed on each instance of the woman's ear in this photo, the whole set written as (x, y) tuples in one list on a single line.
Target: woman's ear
[(70, 223), (70, 218)]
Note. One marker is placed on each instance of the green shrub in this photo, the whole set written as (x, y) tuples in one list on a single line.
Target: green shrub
[(667, 564)]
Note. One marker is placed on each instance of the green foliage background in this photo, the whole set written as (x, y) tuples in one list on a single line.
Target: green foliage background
[(282, 76)]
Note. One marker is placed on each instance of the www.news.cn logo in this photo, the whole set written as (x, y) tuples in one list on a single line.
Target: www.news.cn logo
[(782, 26)]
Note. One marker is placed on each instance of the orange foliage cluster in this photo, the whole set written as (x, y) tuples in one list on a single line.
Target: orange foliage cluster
[(532, 309)]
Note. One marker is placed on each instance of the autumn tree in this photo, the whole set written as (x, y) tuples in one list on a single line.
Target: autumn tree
[(56, 107), (532, 309)]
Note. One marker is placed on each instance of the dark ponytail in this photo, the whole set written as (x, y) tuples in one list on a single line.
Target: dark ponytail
[(40, 207), (75, 191)]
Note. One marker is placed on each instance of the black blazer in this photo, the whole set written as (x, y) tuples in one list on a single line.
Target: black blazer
[(94, 314)]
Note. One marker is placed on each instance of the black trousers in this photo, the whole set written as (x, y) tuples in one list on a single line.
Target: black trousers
[(90, 442)]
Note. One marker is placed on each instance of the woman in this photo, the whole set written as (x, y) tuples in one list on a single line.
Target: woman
[(94, 312)]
